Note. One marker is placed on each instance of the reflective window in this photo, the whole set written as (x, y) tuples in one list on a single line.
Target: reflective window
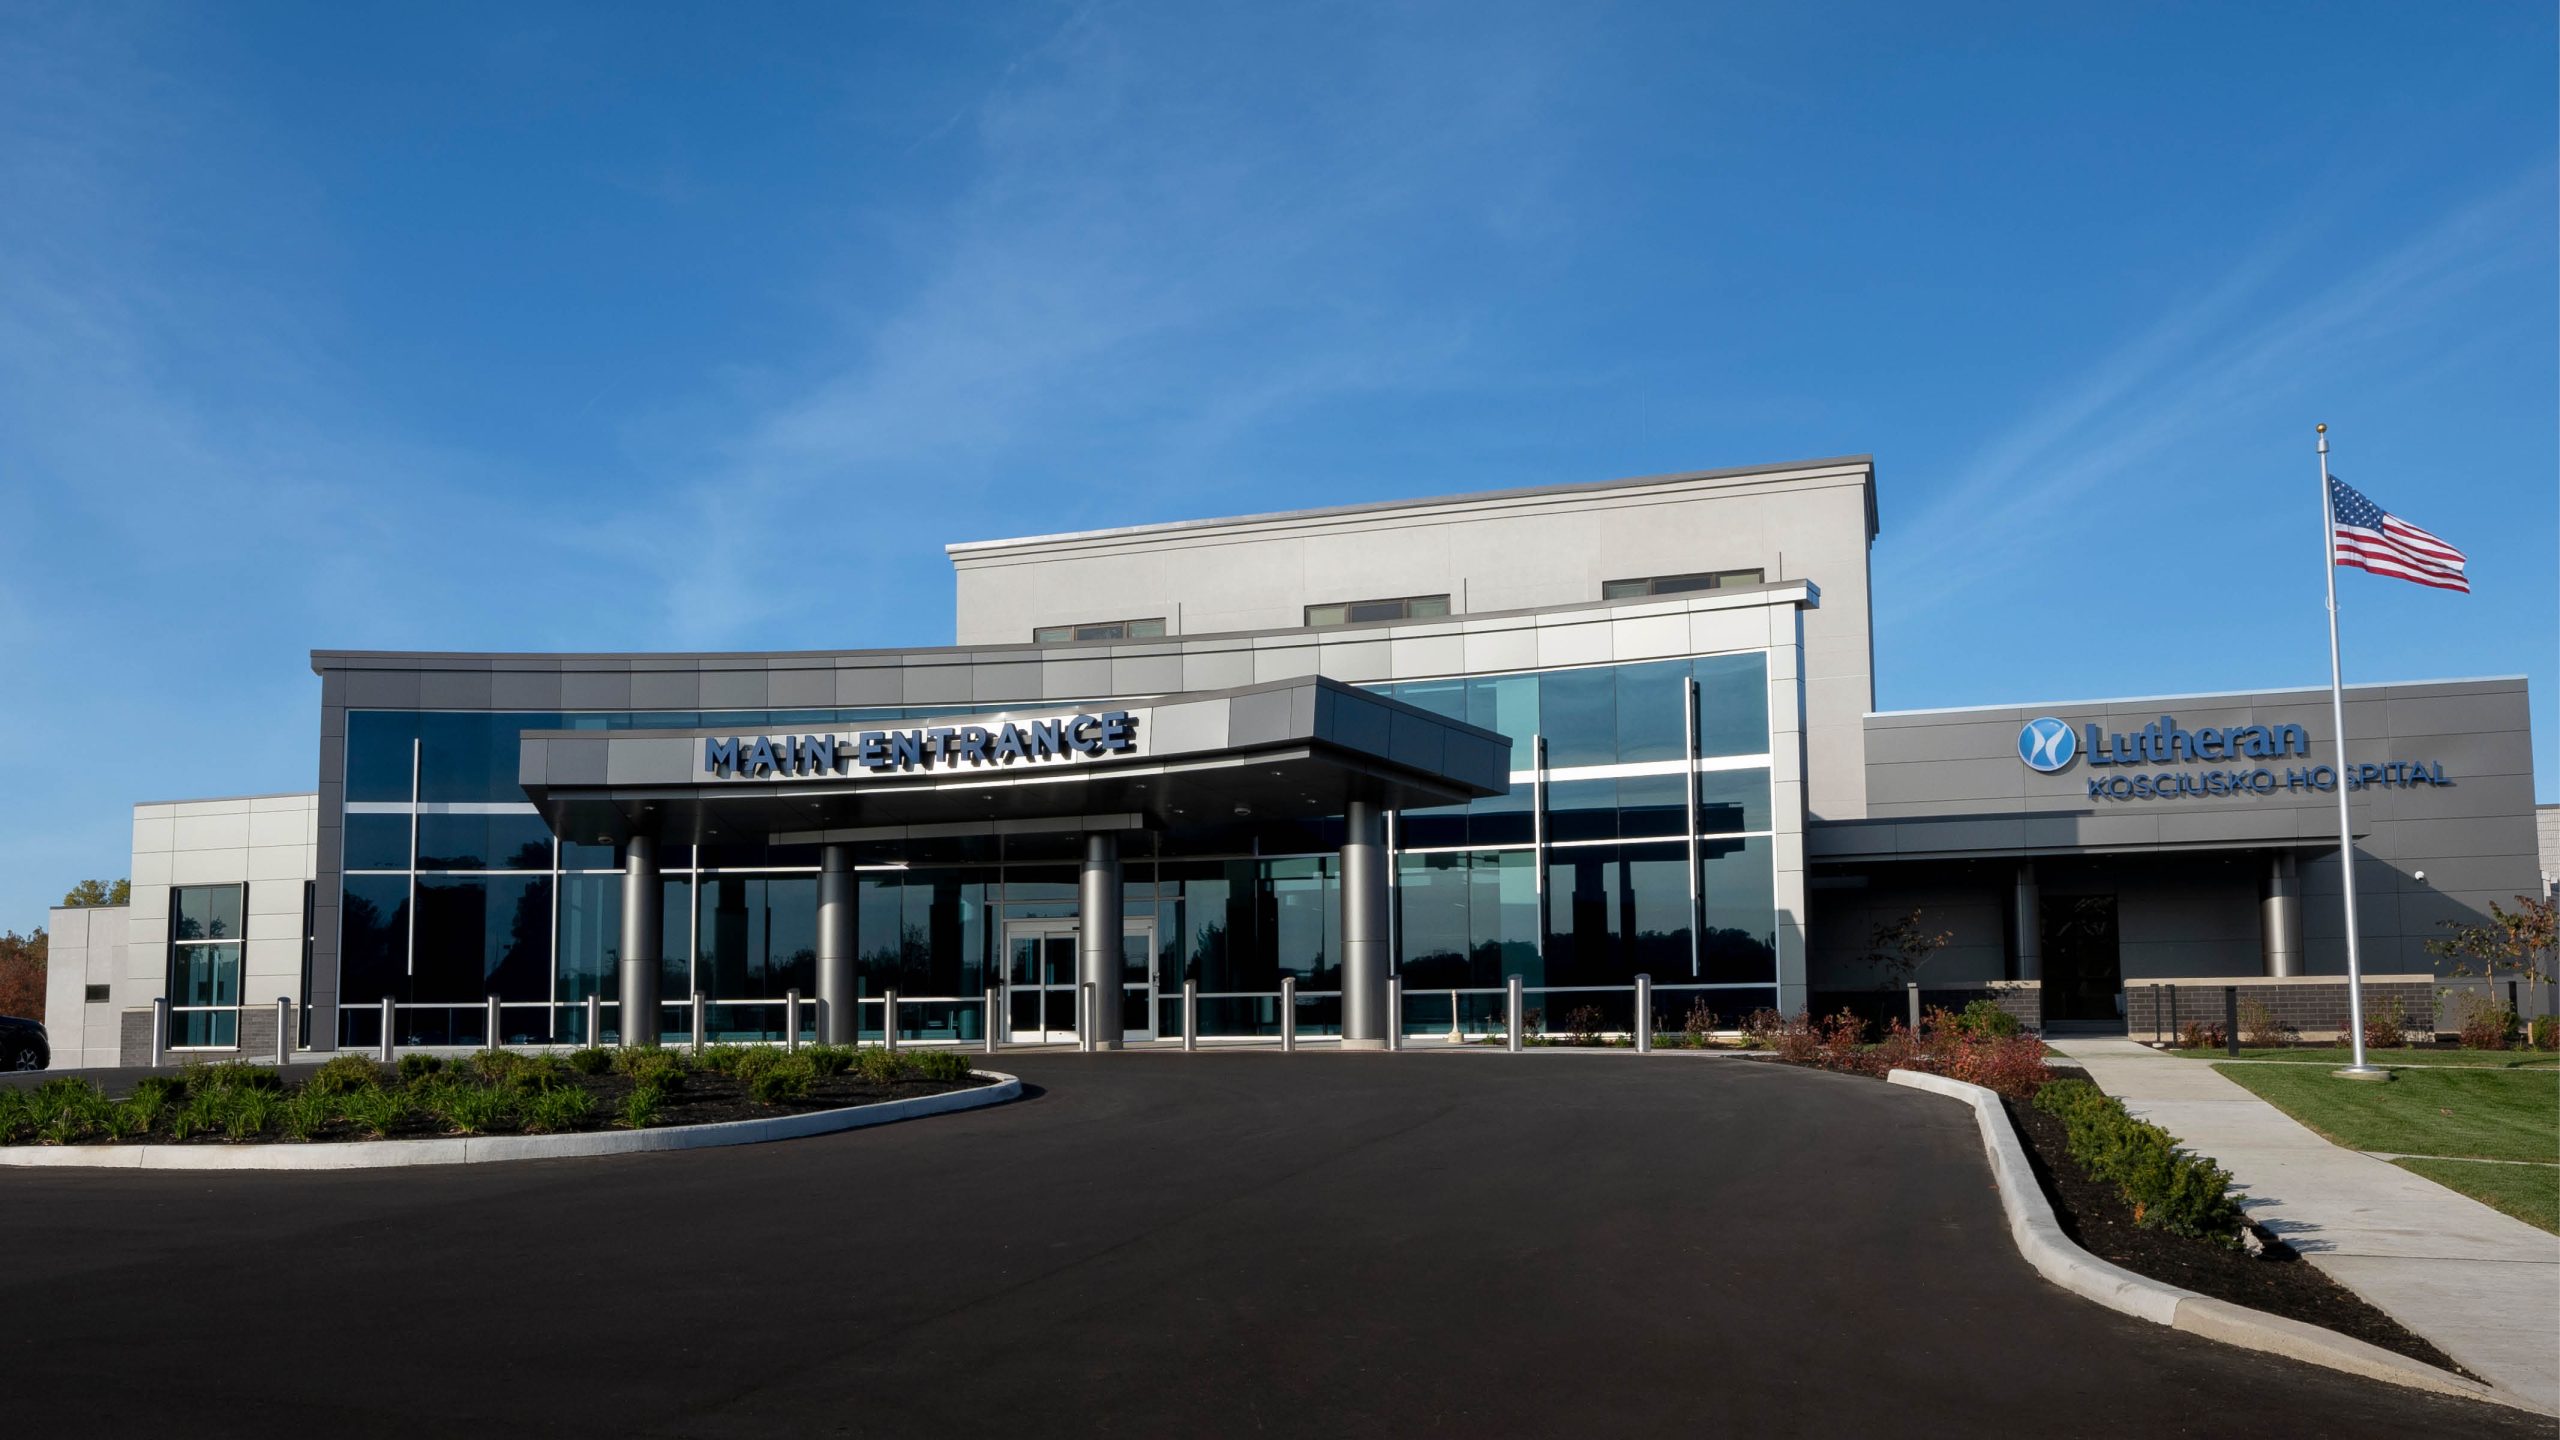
[(1617, 911), (1732, 800), (1740, 890), (1101, 630), (1506, 705), (1578, 712), (377, 842), (1653, 708), (1467, 920), (483, 935), (378, 758), (483, 842), (1679, 584), (206, 912), (1353, 612), (1733, 703), (373, 939), (204, 963), (757, 936), (591, 935)]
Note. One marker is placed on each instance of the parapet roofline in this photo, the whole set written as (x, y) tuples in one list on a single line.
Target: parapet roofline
[(1773, 592), (969, 548), (2108, 702)]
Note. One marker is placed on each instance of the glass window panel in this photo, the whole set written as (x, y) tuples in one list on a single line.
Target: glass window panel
[(377, 842), (1506, 705), (1582, 917), (378, 743), (1653, 912), (204, 975), (483, 842), (1653, 706), (604, 857), (373, 938), (1431, 919), (1112, 630), (1578, 712), (483, 935), (473, 757), (1503, 819), (1440, 697), (1740, 890), (1733, 704), (205, 912), (1376, 610), (757, 936), (1305, 916), (1146, 629), (1051, 634), (1652, 805), (1328, 614), (591, 935), (1582, 810), (1625, 589), (1431, 825), (1502, 915), (1426, 607), (1731, 800)]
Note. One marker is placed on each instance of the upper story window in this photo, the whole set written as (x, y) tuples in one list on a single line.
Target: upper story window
[(1680, 584), (1101, 630), (1352, 612)]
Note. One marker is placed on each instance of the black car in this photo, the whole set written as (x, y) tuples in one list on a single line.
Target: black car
[(22, 1045)]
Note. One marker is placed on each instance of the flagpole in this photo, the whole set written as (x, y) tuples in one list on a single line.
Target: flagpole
[(2357, 1069)]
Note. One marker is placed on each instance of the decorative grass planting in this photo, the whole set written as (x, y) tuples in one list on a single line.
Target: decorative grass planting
[(494, 1092)]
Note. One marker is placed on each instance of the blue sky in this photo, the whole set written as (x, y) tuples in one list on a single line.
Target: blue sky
[(518, 327)]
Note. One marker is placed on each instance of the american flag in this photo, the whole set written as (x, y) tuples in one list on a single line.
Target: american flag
[(2372, 539)]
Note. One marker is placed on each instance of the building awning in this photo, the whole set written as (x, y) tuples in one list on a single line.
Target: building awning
[(1301, 748)]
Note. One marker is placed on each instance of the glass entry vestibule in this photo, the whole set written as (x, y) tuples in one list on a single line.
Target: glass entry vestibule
[(1040, 981)]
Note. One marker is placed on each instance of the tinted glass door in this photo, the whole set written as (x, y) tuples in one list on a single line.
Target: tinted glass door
[(1040, 976)]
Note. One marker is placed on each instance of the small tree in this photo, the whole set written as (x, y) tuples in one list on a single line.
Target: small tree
[(89, 894), (22, 974), (2521, 944), (1904, 945)]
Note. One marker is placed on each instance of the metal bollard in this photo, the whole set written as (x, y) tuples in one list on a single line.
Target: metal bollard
[(1190, 1015), (1288, 1013), (1457, 1032), (993, 1023), (1914, 987), (284, 1029), (390, 1028), (889, 1018), (1513, 1019), (701, 1016), (2231, 1020), (1395, 1013), (1088, 1020), (1644, 1015), (159, 1031), (595, 1020), (791, 1020), (492, 1024)]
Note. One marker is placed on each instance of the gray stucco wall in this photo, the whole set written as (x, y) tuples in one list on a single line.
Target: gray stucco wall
[(1504, 550), (83, 947), (1949, 784)]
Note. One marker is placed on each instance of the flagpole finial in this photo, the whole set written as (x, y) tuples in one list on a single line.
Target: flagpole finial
[(2320, 429)]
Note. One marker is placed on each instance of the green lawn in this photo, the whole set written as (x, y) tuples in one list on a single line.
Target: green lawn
[(2341, 1055), (2530, 1193), (2475, 1114)]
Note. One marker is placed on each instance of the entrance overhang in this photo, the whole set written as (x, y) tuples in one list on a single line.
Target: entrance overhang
[(1303, 748)]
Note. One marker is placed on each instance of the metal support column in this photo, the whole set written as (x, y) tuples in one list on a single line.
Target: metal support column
[(643, 940), (839, 1010), (1098, 925), (2280, 915), (1364, 926), (2027, 905), (1644, 1015)]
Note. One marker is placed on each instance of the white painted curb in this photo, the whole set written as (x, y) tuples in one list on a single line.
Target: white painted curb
[(482, 1149), (2040, 1239)]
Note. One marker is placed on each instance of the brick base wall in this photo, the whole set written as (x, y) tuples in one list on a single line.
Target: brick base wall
[(2154, 1010), (2021, 998)]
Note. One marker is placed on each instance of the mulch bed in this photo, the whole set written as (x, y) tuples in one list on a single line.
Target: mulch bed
[(2281, 1282)]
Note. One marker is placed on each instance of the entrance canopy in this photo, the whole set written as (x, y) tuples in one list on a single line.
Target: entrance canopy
[(1302, 748)]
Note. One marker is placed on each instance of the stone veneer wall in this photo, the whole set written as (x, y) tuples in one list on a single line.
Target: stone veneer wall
[(2313, 1004)]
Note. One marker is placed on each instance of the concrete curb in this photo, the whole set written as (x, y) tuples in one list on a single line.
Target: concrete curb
[(484, 1149), (2040, 1239)]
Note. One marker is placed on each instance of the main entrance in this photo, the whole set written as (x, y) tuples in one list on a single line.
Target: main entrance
[(1040, 982)]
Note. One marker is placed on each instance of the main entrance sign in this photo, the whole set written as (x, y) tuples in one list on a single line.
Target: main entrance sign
[(2048, 746), (1050, 740)]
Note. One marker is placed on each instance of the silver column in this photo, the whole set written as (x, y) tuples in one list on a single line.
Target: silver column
[(643, 940), (2029, 913), (2280, 915), (1098, 927), (1364, 926), (839, 1011)]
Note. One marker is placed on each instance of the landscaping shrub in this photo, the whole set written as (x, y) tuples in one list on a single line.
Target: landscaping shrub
[(2486, 1024), (1762, 1027), (2167, 1187), (827, 1061), (345, 1074), (650, 1065), (787, 1079), (2386, 1026), (203, 1113), (881, 1065), (2013, 1065), (551, 1111), (305, 1113), (2263, 1029), (248, 1111), (942, 1065), (2202, 1035), (65, 1111), (1984, 1019), (415, 1067), (541, 1074), (2546, 1032), (593, 1060), (496, 1066), (1583, 1024), (645, 1106), (472, 1109), (233, 1075), (374, 1111), (724, 1059), (1837, 1040), (1699, 1030)]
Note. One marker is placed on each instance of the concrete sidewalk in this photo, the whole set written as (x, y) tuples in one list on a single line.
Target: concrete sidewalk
[(2483, 1286)]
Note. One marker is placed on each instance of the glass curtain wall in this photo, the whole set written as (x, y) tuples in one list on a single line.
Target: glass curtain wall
[(454, 890)]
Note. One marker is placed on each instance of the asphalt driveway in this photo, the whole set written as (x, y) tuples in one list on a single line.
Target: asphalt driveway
[(1152, 1244)]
